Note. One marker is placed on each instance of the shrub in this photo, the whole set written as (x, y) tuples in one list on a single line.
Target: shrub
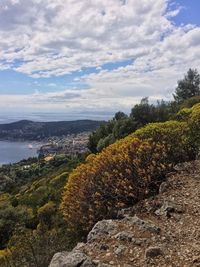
[(184, 114), (118, 177), (174, 135), (188, 103), (194, 124), (46, 212), (127, 171)]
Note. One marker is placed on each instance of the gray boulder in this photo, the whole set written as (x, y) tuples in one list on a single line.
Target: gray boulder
[(143, 225), (71, 259), (124, 236), (105, 227)]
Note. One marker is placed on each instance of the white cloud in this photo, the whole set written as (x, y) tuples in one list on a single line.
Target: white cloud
[(44, 38), (56, 37)]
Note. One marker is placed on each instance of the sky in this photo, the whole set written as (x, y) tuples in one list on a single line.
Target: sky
[(91, 58)]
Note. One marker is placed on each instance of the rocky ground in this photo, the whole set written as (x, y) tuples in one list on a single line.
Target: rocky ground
[(160, 231)]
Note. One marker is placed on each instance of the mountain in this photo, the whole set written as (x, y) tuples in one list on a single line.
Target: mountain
[(30, 130)]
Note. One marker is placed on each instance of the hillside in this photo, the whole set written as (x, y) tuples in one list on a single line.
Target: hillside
[(29, 130), (159, 231), (112, 195)]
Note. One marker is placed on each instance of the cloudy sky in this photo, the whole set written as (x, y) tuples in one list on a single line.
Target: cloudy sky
[(90, 58)]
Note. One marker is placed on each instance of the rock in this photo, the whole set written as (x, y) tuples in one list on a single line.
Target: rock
[(138, 241), (128, 236), (143, 225), (79, 246), (71, 259), (104, 227), (167, 208), (152, 252), (196, 260), (124, 236), (58, 259), (163, 187), (185, 166), (104, 265), (124, 212), (104, 247), (119, 250)]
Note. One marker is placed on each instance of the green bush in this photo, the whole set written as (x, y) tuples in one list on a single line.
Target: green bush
[(184, 114), (194, 125)]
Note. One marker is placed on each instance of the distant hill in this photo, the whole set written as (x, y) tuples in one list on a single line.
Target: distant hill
[(30, 130)]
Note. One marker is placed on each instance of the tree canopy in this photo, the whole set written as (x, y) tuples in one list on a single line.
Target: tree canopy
[(188, 87)]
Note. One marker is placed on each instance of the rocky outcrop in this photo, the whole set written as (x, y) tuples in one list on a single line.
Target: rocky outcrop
[(105, 227), (161, 231), (71, 259)]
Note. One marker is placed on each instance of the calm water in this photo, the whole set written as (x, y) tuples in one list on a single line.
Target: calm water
[(11, 152)]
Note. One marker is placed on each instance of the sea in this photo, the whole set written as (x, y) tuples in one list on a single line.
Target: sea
[(15, 151), (12, 152)]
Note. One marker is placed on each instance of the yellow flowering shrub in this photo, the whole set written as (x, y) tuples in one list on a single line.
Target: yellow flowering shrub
[(127, 171), (174, 135), (116, 178), (194, 124)]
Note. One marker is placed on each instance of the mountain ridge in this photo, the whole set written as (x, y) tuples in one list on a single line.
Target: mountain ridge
[(33, 130)]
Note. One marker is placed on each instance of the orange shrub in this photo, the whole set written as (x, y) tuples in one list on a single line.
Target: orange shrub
[(118, 177)]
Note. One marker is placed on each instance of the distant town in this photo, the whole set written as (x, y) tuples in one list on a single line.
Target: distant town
[(69, 145)]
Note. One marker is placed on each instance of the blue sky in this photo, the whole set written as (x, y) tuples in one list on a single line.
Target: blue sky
[(189, 13), (87, 58)]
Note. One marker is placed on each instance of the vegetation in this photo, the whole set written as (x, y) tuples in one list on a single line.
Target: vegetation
[(186, 95), (116, 178), (32, 228), (127, 171), (47, 207), (188, 87), (122, 125)]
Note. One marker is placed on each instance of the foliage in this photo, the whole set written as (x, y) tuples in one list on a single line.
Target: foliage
[(194, 124), (33, 248), (32, 227), (119, 176), (190, 102), (122, 125), (174, 134), (127, 171), (32, 205), (186, 95), (183, 114), (188, 87)]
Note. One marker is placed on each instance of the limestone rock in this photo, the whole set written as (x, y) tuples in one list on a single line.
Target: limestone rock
[(104, 227), (71, 259), (143, 225), (163, 187), (124, 236), (167, 208), (124, 212), (120, 250)]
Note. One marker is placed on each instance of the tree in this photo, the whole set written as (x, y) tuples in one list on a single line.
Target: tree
[(188, 87), (120, 116), (143, 113)]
